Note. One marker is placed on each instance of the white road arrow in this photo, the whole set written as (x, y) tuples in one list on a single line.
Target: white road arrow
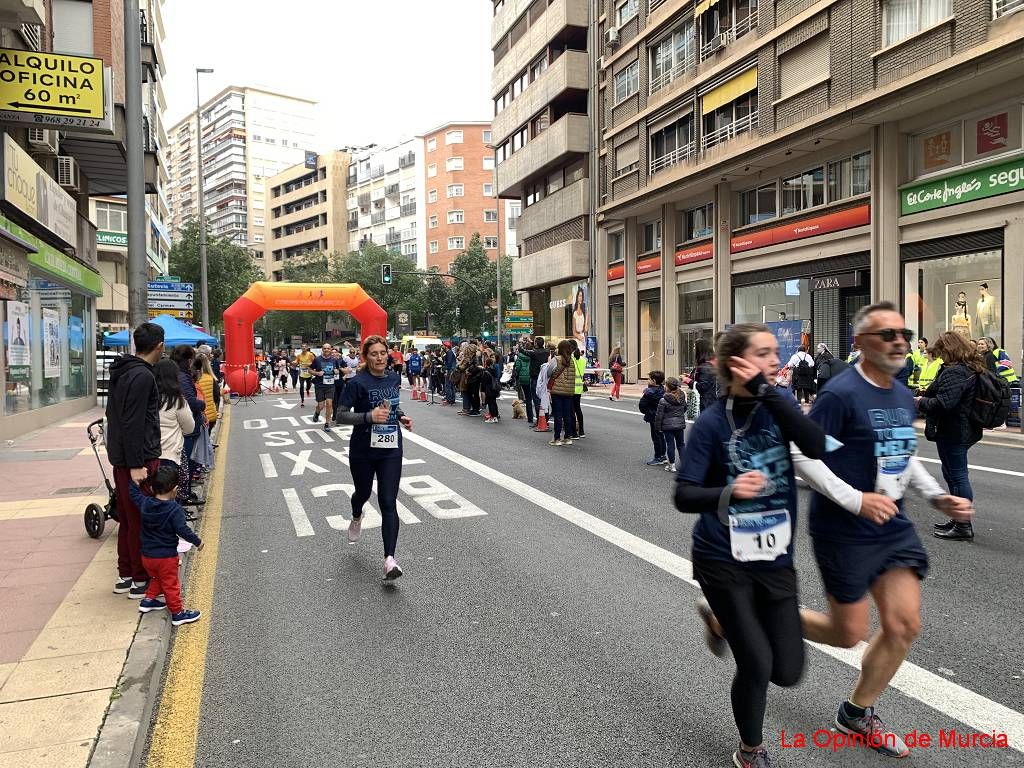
[(282, 403)]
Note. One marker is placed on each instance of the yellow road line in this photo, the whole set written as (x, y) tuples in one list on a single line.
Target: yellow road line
[(176, 729)]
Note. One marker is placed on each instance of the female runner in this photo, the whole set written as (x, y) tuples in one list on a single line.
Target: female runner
[(370, 405), (738, 476)]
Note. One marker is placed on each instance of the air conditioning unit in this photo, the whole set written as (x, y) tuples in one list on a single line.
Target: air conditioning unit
[(43, 141), (600, 63), (67, 173), (611, 37), (715, 43)]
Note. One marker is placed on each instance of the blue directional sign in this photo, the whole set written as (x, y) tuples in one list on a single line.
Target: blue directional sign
[(163, 286)]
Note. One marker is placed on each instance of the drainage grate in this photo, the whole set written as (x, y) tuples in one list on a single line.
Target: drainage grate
[(74, 491)]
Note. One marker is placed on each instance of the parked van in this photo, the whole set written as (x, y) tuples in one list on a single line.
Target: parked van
[(422, 343)]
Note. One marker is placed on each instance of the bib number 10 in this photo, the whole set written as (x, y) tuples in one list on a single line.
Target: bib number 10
[(760, 536)]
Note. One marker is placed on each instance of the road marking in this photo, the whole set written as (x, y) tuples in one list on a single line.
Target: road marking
[(980, 468), (940, 694), (298, 514), (176, 729), (269, 470), (613, 410)]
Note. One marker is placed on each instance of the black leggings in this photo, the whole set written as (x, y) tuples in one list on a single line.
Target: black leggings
[(492, 404), (577, 409), (388, 472), (760, 617)]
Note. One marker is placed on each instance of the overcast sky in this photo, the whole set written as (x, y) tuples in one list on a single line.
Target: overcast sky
[(382, 70)]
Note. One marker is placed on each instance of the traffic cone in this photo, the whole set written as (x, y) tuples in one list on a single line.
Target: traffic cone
[(423, 395), (542, 423)]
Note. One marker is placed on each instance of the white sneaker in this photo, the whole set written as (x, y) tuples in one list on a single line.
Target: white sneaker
[(355, 528), (391, 569)]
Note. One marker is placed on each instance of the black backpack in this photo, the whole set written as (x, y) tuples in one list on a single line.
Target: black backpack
[(990, 404)]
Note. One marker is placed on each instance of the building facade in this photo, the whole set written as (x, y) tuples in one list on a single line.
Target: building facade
[(460, 199), (305, 210), (542, 138), (788, 162), (248, 135), (385, 199)]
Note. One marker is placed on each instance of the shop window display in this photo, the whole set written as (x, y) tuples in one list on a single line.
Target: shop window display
[(960, 293)]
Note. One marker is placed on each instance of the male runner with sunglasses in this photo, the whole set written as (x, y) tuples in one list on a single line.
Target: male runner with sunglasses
[(863, 542)]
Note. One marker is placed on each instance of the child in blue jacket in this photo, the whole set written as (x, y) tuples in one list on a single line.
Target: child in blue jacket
[(649, 408)]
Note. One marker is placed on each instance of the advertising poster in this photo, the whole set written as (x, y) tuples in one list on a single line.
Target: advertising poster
[(788, 332), (51, 344), (580, 319), (76, 336), (19, 332)]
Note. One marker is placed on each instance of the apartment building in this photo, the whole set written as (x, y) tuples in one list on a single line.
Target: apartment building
[(460, 199), (385, 199), (542, 139), (248, 135), (305, 210), (788, 162)]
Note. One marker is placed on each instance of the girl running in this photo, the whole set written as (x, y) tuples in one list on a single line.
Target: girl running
[(370, 405), (737, 475)]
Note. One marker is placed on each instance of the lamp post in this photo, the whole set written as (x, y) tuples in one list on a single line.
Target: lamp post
[(204, 293)]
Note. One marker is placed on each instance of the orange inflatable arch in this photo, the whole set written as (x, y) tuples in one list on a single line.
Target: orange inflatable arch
[(240, 317)]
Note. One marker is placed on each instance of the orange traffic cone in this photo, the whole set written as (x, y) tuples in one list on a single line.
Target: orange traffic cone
[(542, 423), (423, 395)]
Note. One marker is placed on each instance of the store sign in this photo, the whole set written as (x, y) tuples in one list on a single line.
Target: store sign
[(53, 84), (55, 263), (697, 253), (845, 280), (13, 264), (311, 158), (998, 179), (111, 238), (644, 266), (798, 230), (35, 193), (992, 134), (617, 271)]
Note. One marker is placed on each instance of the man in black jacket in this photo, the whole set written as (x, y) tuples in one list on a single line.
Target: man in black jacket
[(538, 357), (133, 447)]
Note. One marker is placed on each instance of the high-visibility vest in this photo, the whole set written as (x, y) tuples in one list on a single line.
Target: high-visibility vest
[(929, 372), (1005, 370), (920, 358)]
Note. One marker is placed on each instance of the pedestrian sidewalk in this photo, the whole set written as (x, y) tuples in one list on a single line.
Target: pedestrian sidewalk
[(64, 636)]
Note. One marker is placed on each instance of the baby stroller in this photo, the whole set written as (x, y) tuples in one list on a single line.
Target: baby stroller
[(96, 516)]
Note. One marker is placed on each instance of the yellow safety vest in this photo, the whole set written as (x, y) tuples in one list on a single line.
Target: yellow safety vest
[(1007, 373), (929, 372)]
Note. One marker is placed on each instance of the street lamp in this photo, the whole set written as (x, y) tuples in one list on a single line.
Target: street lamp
[(203, 287)]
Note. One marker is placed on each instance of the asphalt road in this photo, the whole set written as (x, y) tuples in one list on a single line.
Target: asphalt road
[(545, 618)]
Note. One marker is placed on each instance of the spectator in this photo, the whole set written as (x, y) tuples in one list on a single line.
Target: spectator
[(670, 420), (649, 407), (184, 357), (822, 365), (702, 379), (617, 366), (802, 366)]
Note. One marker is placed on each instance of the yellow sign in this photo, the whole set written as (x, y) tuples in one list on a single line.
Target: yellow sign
[(181, 314), (51, 84)]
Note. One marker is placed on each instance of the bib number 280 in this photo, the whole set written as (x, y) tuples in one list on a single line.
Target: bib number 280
[(384, 436)]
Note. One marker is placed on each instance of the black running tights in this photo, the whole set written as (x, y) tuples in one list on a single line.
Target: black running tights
[(760, 616), (388, 472)]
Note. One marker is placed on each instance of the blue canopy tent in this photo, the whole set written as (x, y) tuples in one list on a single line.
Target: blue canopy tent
[(175, 333)]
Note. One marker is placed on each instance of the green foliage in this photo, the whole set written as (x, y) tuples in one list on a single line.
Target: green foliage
[(478, 309), (230, 270)]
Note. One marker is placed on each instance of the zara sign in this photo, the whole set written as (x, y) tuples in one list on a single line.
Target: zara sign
[(844, 280)]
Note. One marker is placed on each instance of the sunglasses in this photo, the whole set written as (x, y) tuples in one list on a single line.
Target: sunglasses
[(890, 334)]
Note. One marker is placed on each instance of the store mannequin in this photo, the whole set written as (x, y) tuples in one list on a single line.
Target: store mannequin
[(961, 321), (986, 311)]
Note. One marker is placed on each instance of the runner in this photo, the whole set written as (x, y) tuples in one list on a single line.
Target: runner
[(304, 360), (863, 542), (413, 368), (324, 369), (737, 475), (370, 405), (397, 362)]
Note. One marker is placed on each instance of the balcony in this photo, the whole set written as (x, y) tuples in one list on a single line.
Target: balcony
[(151, 54), (391, 190), (14, 13), (676, 156), (567, 203), (377, 194), (560, 263), (569, 72), (728, 36), (566, 137), (377, 217), (506, 17), (377, 172), (364, 199), (407, 160), (685, 66), (1006, 7), (353, 224), (351, 204), (731, 131), (393, 238), (559, 15), (409, 209)]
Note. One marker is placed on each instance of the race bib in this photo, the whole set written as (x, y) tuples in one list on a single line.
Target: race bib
[(760, 535), (384, 436), (893, 476), (304, 371)]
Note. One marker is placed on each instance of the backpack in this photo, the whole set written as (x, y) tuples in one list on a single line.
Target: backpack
[(990, 404)]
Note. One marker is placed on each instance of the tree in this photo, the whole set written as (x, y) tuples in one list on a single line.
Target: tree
[(230, 270), (478, 309), (406, 292)]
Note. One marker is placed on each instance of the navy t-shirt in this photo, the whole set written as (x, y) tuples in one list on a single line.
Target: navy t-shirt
[(362, 394), (329, 367), (709, 462), (876, 427)]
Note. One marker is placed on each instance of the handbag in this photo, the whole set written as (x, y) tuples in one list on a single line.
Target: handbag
[(693, 405), (202, 448)]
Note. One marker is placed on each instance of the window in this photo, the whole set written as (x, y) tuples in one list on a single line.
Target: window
[(533, 193), (456, 217), (487, 137), (500, 102), (616, 247), (539, 66), (456, 190), (673, 55), (626, 10), (432, 196), (541, 123), (575, 171), (432, 170), (805, 190), (453, 164), (491, 216), (849, 176), (431, 145), (433, 246), (627, 82), (672, 143), (519, 139), (490, 243), (112, 217), (456, 243), (730, 120), (555, 182), (488, 190), (904, 18), (432, 222), (501, 153), (652, 236), (699, 222), (519, 84), (807, 63), (627, 157), (758, 204), (489, 162), (453, 137)]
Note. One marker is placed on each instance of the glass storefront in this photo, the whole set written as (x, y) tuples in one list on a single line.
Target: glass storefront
[(962, 293), (696, 305), (772, 302), (650, 334)]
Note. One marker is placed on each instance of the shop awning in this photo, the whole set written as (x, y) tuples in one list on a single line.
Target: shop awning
[(729, 91), (702, 7)]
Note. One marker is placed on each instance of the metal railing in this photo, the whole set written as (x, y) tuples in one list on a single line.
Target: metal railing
[(377, 217), (144, 26), (408, 209), (654, 5), (730, 131), (364, 199), (353, 224), (678, 155), (393, 238), (1006, 7), (685, 66), (407, 160), (728, 36), (391, 190)]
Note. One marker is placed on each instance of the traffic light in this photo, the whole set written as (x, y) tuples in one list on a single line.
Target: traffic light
[(385, 274)]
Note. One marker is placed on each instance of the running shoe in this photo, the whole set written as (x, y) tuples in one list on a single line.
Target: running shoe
[(566, 441), (670, 467), (580, 436), (872, 729), (138, 589), (302, 405), (316, 415), (184, 617), (946, 526), (657, 461), (355, 528), (715, 642), (959, 532), (151, 604), (122, 585), (756, 759), (327, 427), (391, 569)]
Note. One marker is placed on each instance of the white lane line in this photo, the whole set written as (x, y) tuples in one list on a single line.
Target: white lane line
[(299, 519), (613, 410), (940, 694), (980, 468)]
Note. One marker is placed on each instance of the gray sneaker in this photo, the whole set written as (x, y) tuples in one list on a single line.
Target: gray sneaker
[(756, 759), (872, 729)]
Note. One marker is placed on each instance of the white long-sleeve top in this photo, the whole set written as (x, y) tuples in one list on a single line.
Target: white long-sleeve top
[(174, 425)]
